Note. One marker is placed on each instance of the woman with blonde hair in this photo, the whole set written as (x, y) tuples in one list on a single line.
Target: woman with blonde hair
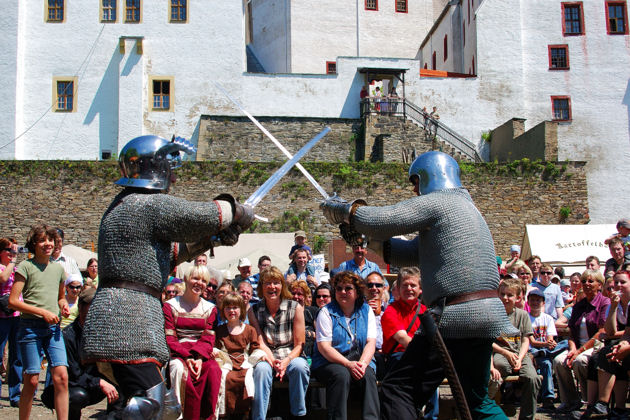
[(189, 322)]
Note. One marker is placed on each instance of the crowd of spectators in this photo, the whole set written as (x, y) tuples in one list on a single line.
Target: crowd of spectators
[(230, 339)]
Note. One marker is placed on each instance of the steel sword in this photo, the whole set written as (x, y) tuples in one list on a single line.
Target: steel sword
[(261, 191), (276, 142)]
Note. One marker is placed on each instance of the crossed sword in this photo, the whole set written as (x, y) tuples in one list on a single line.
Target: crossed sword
[(258, 195)]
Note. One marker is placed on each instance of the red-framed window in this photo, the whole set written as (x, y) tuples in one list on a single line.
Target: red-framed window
[(371, 4), (331, 67), (558, 57), (616, 18), (434, 61), (161, 94), (445, 47), (561, 108), (572, 18), (401, 6)]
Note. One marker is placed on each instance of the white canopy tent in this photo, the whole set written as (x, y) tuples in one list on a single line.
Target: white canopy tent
[(81, 255), (567, 245), (253, 246)]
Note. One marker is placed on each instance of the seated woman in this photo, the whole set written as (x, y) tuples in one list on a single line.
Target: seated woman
[(188, 322), (586, 324), (237, 350), (605, 376), (343, 354), (280, 323), (301, 294), (300, 269)]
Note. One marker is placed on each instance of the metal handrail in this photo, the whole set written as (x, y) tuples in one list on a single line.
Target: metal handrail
[(401, 106)]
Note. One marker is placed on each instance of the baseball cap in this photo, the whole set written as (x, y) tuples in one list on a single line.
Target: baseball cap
[(515, 248), (300, 233), (625, 223), (565, 282), (244, 262), (536, 292)]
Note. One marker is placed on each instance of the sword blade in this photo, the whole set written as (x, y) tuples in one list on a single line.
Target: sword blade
[(262, 191), (275, 141)]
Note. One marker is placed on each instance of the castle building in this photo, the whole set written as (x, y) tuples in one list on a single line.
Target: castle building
[(82, 77)]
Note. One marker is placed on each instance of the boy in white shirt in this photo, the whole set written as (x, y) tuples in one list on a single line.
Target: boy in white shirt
[(543, 346)]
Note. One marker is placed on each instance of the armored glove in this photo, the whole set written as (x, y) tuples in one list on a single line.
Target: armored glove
[(241, 214), (229, 236), (337, 210), (244, 215)]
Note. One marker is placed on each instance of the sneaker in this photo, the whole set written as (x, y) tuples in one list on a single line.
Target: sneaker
[(565, 407), (618, 414), (548, 404), (598, 409)]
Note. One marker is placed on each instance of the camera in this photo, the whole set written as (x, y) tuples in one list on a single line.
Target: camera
[(22, 250)]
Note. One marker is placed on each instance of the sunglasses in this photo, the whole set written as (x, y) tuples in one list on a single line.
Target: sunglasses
[(548, 273), (74, 287), (344, 289), (170, 292), (322, 297), (9, 250), (212, 286), (378, 285)]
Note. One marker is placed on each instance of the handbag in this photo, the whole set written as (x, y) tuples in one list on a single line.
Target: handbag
[(386, 361), (4, 305)]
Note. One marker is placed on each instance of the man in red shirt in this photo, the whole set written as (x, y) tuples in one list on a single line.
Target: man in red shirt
[(400, 322)]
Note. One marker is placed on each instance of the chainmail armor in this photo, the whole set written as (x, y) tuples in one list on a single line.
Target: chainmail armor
[(454, 250), (134, 244)]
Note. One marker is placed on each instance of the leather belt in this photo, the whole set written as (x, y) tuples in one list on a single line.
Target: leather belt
[(467, 297), (138, 287)]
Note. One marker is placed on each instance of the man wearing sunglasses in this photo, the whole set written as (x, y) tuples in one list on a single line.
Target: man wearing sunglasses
[(554, 302)]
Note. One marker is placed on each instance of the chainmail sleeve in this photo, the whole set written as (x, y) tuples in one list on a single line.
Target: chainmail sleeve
[(135, 245), (455, 253)]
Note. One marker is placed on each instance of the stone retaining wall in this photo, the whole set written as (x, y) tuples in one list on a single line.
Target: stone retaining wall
[(74, 195)]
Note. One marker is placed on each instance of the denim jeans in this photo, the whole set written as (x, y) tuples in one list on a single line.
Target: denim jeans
[(35, 335), (298, 374), (8, 334), (544, 361)]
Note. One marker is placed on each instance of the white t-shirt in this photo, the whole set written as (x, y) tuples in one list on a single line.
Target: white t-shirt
[(543, 326), (323, 325)]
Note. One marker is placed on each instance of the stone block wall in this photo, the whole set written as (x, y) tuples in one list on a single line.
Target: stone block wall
[(510, 141), (229, 139), (74, 195)]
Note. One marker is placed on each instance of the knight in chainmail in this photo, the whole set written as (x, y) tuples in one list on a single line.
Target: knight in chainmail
[(143, 234), (455, 252)]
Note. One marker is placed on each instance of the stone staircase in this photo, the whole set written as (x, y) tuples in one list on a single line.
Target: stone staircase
[(394, 138)]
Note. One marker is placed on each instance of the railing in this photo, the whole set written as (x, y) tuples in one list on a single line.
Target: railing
[(434, 128)]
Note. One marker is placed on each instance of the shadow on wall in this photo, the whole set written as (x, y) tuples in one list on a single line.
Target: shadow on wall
[(105, 103), (351, 106), (626, 102)]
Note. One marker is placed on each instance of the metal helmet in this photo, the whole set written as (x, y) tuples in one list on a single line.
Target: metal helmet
[(436, 171), (147, 161)]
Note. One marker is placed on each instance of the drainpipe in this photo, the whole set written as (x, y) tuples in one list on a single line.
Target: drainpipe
[(358, 51)]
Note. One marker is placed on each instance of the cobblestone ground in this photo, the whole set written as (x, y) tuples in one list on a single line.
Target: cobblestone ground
[(447, 410)]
